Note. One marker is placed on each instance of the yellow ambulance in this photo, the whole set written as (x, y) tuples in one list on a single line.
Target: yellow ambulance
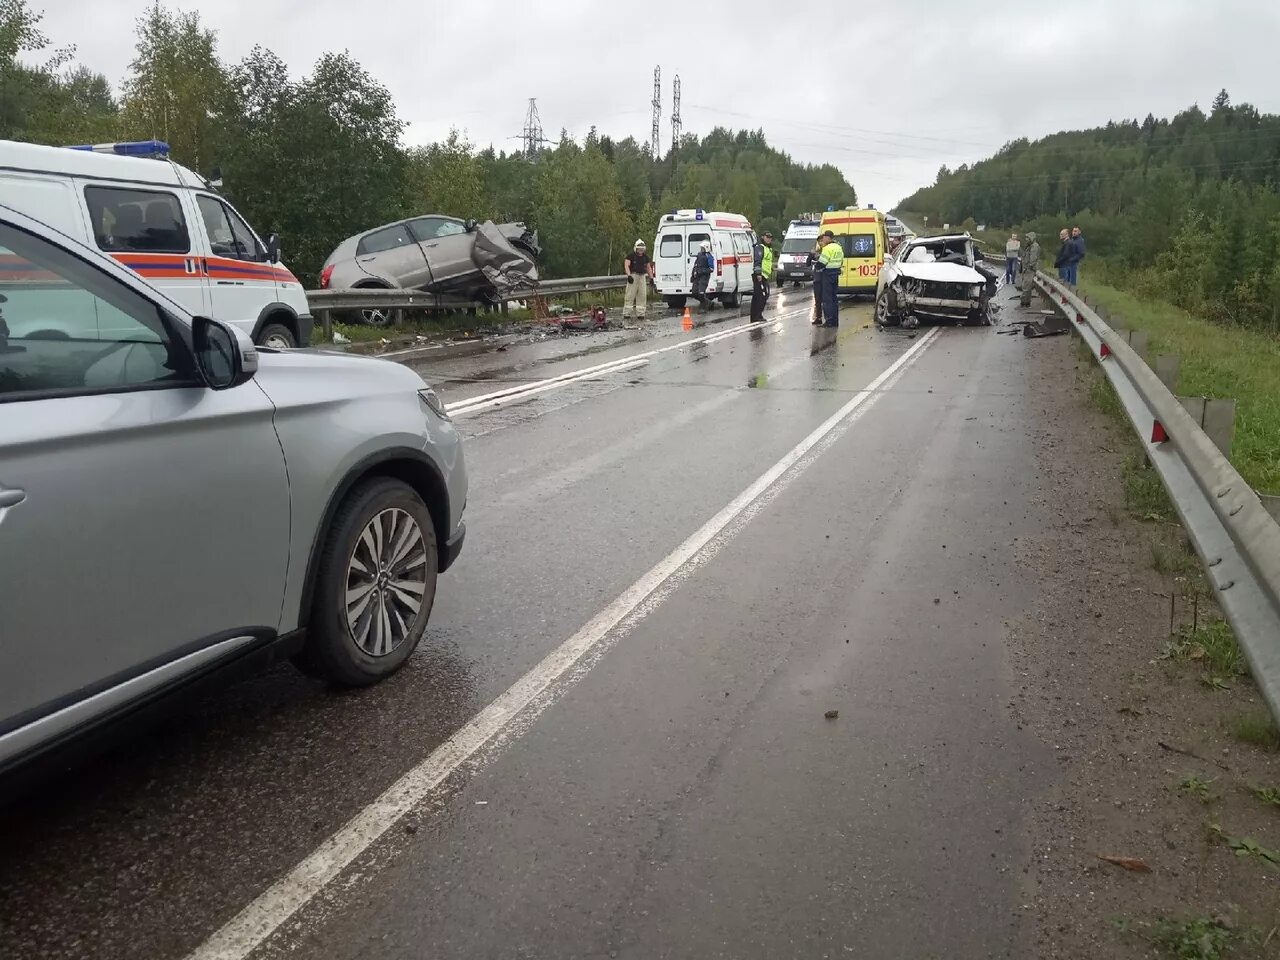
[(861, 233)]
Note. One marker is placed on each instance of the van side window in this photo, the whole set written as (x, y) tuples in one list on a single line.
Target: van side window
[(229, 235), (137, 221), (695, 242), (386, 239), (741, 244), (671, 245)]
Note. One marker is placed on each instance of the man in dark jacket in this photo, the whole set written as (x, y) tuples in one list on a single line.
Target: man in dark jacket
[(1077, 254), (1065, 251)]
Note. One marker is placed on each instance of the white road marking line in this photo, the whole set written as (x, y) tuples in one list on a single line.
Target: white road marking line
[(622, 363), (241, 935), (534, 391)]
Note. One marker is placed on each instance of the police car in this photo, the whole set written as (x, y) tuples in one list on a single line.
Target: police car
[(164, 222)]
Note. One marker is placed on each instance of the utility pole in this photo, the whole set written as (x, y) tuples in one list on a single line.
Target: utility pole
[(655, 137), (532, 132), (675, 112)]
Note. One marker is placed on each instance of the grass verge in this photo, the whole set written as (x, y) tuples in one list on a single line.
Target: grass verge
[(1212, 645), (1188, 938), (1217, 361), (1257, 728)]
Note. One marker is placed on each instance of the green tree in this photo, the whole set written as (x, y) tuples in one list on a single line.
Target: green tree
[(178, 90), (446, 178)]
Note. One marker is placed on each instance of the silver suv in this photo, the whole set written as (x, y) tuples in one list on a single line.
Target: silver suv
[(175, 502)]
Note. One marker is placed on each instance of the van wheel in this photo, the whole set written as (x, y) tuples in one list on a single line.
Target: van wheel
[(375, 585), (277, 336), (729, 299), (676, 303)]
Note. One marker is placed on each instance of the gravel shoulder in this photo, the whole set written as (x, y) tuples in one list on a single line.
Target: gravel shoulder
[(1127, 724)]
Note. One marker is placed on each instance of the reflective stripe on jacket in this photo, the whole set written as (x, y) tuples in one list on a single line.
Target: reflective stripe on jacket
[(766, 262), (832, 256)]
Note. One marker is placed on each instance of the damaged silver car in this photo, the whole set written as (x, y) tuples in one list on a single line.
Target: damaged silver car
[(482, 262), (938, 278)]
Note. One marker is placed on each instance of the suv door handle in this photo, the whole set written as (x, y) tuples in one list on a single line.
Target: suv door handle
[(11, 498)]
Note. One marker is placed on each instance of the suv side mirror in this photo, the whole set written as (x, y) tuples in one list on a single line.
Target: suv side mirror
[(469, 225), (225, 356), (273, 248)]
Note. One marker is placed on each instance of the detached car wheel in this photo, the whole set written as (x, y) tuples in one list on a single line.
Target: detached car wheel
[(276, 335), (375, 586), (676, 303)]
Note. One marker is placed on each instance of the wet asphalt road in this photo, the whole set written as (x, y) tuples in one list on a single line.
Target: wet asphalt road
[(681, 794)]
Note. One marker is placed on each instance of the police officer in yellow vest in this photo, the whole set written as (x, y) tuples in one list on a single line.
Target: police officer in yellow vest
[(830, 260), (761, 271)]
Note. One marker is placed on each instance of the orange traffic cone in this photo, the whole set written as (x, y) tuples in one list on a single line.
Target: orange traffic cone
[(687, 322)]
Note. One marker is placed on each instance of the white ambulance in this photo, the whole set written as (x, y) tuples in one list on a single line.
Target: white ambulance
[(164, 222), (680, 237)]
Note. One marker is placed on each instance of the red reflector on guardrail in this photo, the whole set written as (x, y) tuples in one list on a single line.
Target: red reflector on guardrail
[(1158, 434), (1104, 351), (1079, 318)]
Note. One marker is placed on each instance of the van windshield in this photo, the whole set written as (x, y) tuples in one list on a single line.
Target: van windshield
[(798, 244)]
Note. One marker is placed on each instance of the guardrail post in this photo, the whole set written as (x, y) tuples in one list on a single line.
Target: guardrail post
[(1217, 417), (1166, 368), (1220, 423), (1139, 340), (1104, 313), (326, 324), (1272, 503)]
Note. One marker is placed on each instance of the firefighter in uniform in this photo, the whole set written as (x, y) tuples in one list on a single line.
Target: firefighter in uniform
[(761, 270)]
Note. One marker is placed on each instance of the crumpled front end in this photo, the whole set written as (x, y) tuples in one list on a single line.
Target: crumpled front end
[(940, 291)]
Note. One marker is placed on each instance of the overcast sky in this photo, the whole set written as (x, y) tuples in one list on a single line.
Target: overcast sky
[(888, 91)]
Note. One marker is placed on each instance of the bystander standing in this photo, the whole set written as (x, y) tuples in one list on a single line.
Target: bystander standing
[(1012, 251)]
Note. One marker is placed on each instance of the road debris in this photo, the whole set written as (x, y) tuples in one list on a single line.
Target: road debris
[(1133, 864), (832, 714)]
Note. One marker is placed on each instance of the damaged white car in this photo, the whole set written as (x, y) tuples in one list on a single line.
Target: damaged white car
[(938, 278)]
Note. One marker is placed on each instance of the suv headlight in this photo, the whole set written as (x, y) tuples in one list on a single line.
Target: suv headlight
[(434, 403)]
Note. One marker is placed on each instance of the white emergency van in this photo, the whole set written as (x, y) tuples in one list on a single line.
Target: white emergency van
[(165, 223), (797, 244), (680, 236)]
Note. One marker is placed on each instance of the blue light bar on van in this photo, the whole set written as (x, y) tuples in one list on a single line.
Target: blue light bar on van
[(135, 148), (697, 214)]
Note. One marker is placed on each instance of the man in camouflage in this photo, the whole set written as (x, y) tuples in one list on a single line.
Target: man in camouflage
[(1030, 264)]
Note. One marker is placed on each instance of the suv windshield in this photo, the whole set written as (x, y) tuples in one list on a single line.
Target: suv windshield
[(798, 244)]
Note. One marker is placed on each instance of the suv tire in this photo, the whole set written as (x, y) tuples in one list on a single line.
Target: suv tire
[(375, 584)]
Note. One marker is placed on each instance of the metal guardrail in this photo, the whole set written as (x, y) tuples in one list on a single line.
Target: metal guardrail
[(1233, 532), (366, 298), (324, 303)]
